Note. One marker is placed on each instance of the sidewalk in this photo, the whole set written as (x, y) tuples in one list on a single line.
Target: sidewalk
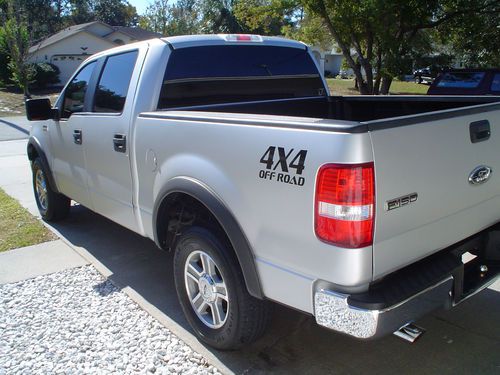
[(42, 259)]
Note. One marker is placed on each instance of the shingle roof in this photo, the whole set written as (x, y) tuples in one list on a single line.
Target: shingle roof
[(71, 30), (137, 33), (134, 32)]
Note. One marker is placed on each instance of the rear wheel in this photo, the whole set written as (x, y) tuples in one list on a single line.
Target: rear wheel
[(51, 205), (212, 291)]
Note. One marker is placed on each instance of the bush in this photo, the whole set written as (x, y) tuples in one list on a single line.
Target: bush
[(45, 74)]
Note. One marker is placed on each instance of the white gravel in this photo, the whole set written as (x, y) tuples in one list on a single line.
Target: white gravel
[(76, 322)]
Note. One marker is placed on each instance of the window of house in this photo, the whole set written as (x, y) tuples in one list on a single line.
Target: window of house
[(113, 84), (74, 96)]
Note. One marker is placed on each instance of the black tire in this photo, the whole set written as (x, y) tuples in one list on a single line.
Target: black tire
[(52, 206), (418, 79), (246, 317)]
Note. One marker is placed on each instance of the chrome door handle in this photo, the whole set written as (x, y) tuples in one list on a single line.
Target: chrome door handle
[(77, 136), (120, 142)]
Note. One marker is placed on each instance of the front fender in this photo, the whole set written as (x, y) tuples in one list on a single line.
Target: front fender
[(34, 150)]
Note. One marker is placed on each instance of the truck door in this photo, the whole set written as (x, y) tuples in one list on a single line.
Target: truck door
[(67, 140), (107, 138)]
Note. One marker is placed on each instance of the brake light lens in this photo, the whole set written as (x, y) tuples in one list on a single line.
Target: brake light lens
[(345, 204), (242, 38)]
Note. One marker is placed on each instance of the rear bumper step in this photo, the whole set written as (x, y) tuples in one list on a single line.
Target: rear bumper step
[(441, 280)]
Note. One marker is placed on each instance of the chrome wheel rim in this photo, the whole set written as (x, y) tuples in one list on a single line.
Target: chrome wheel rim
[(206, 289), (41, 189)]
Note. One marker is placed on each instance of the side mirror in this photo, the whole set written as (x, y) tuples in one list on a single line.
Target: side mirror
[(40, 109)]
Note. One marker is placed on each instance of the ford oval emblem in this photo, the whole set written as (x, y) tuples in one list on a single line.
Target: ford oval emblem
[(480, 175)]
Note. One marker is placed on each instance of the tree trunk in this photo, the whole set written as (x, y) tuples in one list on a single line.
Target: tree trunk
[(386, 84), (378, 74)]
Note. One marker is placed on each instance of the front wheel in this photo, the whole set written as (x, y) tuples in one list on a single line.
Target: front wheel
[(212, 291), (51, 205)]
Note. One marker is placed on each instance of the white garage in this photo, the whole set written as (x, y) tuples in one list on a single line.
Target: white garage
[(70, 47)]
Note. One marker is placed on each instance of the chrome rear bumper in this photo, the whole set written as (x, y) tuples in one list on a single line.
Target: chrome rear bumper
[(439, 281)]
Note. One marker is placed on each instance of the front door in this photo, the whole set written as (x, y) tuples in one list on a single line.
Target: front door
[(67, 138)]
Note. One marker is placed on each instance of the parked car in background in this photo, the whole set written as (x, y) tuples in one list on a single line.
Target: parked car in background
[(467, 82), (426, 75)]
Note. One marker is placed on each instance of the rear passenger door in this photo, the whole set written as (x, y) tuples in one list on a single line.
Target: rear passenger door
[(107, 138)]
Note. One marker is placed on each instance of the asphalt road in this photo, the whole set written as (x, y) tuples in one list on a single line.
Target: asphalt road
[(465, 340)]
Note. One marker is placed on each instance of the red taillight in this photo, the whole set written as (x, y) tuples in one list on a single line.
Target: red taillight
[(345, 204), (242, 37)]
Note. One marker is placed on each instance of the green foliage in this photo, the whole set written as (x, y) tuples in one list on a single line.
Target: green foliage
[(16, 40), (311, 30), (181, 18), (115, 12), (475, 37), (268, 17), (217, 16), (45, 74), (385, 36)]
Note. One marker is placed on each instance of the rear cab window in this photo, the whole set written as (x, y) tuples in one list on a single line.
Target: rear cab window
[(234, 73)]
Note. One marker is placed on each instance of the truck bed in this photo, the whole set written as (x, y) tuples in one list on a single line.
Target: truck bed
[(352, 108), (432, 160)]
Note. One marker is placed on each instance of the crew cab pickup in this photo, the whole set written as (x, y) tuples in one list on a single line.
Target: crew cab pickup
[(230, 151)]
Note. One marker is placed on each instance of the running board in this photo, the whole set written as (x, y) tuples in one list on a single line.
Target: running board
[(409, 332)]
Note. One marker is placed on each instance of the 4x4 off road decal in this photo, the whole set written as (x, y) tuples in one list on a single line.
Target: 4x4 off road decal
[(276, 159)]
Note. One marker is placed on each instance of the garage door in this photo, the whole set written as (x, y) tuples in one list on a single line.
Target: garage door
[(67, 64)]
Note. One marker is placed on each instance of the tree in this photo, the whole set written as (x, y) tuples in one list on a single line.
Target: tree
[(311, 30), (379, 36), (268, 17), (217, 16), (16, 40), (115, 12), (157, 17), (475, 38)]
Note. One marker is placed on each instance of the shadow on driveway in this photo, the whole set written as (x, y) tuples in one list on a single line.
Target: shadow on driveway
[(465, 340)]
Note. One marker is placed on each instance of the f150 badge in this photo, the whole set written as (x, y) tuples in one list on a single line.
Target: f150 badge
[(480, 175), (288, 168), (401, 201)]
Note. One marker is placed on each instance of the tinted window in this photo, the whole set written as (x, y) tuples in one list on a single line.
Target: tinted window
[(74, 96), (495, 84), (465, 80), (221, 74), (113, 85)]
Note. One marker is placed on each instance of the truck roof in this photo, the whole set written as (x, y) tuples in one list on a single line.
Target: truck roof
[(184, 41)]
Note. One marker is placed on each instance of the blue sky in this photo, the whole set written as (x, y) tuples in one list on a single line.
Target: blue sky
[(140, 5)]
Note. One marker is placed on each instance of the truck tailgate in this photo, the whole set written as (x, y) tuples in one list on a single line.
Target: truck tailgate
[(425, 201)]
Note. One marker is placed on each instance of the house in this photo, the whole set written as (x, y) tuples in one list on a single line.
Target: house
[(69, 47), (329, 62)]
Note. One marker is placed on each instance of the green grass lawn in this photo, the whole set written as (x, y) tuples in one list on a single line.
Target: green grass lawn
[(18, 228), (346, 87)]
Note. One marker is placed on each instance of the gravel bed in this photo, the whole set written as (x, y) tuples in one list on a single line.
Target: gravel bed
[(77, 322)]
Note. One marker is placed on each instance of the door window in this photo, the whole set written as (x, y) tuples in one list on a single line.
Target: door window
[(495, 84), (113, 85), (74, 96)]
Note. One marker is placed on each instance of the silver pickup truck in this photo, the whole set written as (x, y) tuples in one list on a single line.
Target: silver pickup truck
[(229, 151)]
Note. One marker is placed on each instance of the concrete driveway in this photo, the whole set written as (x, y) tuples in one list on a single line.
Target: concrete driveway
[(16, 127), (465, 340)]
